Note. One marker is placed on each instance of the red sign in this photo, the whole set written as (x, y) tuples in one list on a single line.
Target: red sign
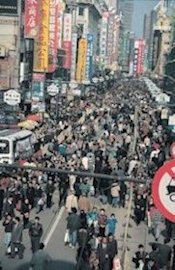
[(163, 190), (53, 35), (172, 150), (31, 18), (67, 45)]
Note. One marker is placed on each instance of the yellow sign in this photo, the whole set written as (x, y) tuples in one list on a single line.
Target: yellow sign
[(41, 43), (81, 65)]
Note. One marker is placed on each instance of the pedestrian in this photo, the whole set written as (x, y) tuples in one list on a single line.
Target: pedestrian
[(41, 260), (71, 201), (1, 201), (139, 256), (16, 239), (115, 191), (84, 203), (73, 224), (112, 248), (9, 207), (103, 255), (8, 228), (173, 262), (111, 224), (116, 263), (49, 193), (35, 233), (102, 222), (25, 211)]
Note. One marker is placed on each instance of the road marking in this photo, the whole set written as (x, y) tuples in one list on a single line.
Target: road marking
[(57, 220)]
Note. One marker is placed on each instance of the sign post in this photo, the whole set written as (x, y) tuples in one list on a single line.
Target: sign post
[(163, 190)]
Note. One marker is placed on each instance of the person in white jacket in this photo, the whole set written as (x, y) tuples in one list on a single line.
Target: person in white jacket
[(71, 201)]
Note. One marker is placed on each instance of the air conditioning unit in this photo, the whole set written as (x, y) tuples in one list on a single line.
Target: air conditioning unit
[(2, 51)]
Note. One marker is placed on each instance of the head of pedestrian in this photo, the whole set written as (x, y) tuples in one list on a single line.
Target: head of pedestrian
[(110, 237), (102, 211), (41, 246), (94, 210), (10, 198), (37, 219), (17, 220), (73, 210), (141, 248), (154, 247), (104, 242), (113, 216)]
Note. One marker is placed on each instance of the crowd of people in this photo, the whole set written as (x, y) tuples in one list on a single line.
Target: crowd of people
[(94, 134)]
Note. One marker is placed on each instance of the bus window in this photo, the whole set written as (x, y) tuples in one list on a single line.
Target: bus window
[(24, 148), (4, 147)]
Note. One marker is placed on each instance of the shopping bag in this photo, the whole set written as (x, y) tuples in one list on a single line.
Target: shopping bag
[(66, 237)]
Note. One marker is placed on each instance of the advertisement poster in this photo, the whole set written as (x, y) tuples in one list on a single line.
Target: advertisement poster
[(38, 103), (41, 44), (31, 18)]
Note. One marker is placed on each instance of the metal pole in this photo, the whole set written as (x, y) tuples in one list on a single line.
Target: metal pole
[(69, 172)]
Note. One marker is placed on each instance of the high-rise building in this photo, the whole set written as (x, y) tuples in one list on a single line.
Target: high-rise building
[(127, 8), (146, 27)]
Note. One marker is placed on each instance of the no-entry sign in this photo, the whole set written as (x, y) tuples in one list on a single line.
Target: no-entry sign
[(172, 150), (163, 190)]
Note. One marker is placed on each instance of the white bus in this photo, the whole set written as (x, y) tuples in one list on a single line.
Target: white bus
[(15, 145)]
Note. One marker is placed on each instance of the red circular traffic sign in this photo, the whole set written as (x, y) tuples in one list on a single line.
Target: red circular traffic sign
[(172, 150), (163, 190)]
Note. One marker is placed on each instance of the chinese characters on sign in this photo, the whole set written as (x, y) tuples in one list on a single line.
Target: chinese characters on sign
[(61, 8), (31, 18), (81, 65), (53, 35), (9, 7), (67, 37), (41, 44), (38, 103)]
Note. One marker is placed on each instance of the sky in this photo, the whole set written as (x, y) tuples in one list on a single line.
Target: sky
[(140, 8)]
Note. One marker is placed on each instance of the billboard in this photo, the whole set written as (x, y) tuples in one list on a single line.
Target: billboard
[(9, 7), (81, 65), (4, 74), (41, 43), (61, 8), (67, 40), (139, 57), (38, 103), (53, 35), (31, 18)]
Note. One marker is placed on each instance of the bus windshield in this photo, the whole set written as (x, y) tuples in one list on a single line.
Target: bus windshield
[(4, 147)]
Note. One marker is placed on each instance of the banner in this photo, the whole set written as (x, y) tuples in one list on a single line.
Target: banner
[(38, 103), (67, 38), (89, 56), (41, 44), (61, 8), (31, 18), (81, 65), (74, 56), (9, 7), (53, 35)]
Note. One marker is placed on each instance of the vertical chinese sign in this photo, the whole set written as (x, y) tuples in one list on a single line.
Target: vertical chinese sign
[(31, 18), (53, 35), (41, 44), (81, 65), (61, 8), (67, 37), (74, 56), (89, 57)]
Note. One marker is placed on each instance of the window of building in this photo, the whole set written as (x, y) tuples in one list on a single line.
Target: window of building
[(81, 11)]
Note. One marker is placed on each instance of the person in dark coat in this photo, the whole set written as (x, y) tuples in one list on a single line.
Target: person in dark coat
[(173, 264), (49, 192), (112, 248), (73, 224), (30, 194), (140, 255), (139, 209), (25, 211), (9, 207), (41, 260), (103, 255), (16, 239), (1, 201), (150, 265), (35, 233)]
